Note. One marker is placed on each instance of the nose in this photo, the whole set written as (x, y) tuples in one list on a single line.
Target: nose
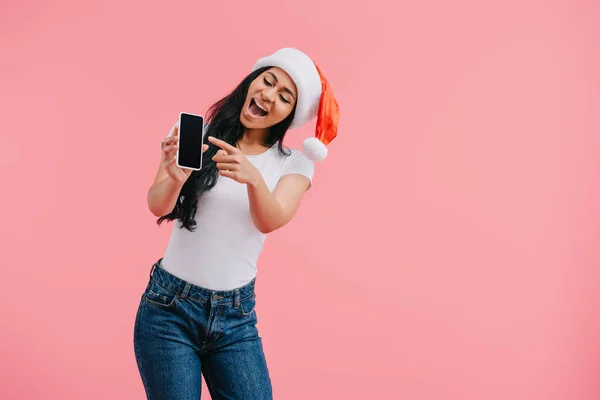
[(268, 94)]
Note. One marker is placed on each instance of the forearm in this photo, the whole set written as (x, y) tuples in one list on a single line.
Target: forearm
[(267, 213), (162, 196)]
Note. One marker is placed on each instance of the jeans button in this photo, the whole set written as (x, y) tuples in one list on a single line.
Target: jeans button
[(215, 297)]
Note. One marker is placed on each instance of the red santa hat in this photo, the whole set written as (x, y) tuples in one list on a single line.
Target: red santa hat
[(315, 98)]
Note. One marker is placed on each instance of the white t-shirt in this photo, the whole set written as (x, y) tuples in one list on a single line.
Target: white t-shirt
[(222, 252)]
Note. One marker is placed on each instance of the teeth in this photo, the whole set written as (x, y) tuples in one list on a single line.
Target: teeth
[(258, 105)]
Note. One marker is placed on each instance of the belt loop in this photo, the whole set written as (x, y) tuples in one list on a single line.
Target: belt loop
[(152, 270), (236, 298), (186, 289)]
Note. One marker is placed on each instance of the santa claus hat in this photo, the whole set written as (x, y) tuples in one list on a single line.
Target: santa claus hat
[(315, 98)]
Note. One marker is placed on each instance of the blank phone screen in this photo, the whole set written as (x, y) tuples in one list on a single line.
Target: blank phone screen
[(190, 140)]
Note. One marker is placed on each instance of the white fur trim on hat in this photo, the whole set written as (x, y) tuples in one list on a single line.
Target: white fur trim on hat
[(314, 149), (303, 72)]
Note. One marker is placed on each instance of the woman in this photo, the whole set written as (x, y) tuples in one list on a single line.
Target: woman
[(197, 314)]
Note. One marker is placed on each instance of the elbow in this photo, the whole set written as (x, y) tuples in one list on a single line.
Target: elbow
[(266, 230), (156, 209), (265, 227), (152, 207), (157, 212)]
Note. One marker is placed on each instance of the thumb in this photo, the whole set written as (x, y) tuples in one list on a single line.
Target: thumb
[(204, 147), (174, 130)]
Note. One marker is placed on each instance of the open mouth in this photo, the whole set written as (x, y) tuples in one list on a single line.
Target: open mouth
[(255, 110)]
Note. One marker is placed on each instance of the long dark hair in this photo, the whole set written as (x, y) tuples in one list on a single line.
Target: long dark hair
[(223, 120)]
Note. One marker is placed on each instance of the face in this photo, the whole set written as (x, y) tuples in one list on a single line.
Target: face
[(271, 98)]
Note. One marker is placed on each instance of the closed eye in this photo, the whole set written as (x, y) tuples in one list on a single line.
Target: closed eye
[(280, 96)]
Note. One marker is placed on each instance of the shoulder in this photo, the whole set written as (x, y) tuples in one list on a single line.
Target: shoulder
[(297, 156), (292, 157), (296, 162)]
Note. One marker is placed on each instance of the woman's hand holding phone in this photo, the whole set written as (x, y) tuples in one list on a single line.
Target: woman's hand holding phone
[(169, 157)]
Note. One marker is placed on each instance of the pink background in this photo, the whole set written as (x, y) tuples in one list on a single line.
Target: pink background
[(449, 247)]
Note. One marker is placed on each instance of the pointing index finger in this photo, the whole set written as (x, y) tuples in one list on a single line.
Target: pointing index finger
[(222, 144)]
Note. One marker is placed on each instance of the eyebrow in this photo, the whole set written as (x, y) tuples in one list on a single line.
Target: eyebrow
[(285, 88)]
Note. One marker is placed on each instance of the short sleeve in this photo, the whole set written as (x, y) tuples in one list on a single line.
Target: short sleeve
[(298, 163)]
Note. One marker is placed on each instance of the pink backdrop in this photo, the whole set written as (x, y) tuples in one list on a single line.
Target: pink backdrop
[(448, 249)]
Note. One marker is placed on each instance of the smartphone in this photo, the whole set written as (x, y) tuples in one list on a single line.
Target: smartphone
[(191, 133)]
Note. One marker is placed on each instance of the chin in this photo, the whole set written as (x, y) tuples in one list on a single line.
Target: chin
[(249, 124)]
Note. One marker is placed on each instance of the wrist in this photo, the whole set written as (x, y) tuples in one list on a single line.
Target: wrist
[(173, 183), (255, 181)]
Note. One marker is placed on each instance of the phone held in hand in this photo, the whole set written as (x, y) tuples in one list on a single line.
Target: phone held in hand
[(191, 133)]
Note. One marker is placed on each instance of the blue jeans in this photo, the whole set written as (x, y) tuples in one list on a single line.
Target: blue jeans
[(183, 330)]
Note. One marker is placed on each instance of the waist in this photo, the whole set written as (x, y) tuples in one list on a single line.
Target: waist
[(194, 291)]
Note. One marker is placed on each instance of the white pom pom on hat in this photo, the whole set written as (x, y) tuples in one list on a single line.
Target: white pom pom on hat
[(315, 98)]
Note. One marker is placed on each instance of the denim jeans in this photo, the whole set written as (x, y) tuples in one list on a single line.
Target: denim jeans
[(183, 330)]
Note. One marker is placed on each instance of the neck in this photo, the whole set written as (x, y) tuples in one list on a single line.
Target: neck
[(253, 137), (252, 141)]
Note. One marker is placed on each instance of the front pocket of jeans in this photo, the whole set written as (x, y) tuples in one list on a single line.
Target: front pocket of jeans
[(159, 296), (247, 305)]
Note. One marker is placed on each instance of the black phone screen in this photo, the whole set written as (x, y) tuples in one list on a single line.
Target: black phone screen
[(191, 128)]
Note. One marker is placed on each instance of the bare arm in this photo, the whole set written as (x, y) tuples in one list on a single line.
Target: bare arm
[(271, 211), (163, 193), (169, 179)]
